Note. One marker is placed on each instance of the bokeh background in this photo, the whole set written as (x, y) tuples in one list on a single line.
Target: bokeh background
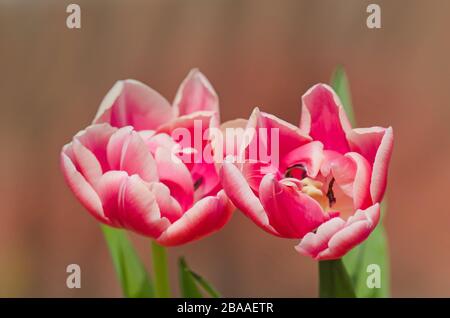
[(256, 53)]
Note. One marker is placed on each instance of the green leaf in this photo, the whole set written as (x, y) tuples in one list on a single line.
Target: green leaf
[(188, 286), (210, 290), (339, 82), (191, 281), (133, 277), (334, 281), (374, 249)]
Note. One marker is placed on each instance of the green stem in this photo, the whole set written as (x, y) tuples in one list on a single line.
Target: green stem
[(334, 281), (160, 269)]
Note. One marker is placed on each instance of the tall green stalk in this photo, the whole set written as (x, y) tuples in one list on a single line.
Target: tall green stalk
[(160, 270)]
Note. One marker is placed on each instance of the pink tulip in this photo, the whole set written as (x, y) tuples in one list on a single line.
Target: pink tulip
[(327, 185), (124, 170)]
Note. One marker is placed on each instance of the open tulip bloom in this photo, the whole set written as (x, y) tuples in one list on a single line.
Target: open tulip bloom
[(326, 183), (140, 166), (128, 170)]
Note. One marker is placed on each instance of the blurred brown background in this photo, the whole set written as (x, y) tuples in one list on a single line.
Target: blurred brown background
[(264, 53)]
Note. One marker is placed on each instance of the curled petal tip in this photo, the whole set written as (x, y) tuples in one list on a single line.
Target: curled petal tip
[(195, 94)]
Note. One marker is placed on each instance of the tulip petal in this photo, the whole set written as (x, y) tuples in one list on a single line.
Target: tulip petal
[(329, 156), (95, 138), (380, 167), (127, 151), (159, 140), (314, 243), (86, 162), (206, 180), (109, 189), (366, 141), (268, 138), (129, 203), (254, 172), (205, 217), (355, 231), (291, 212), (239, 192), (82, 189), (352, 173), (195, 94), (168, 206), (132, 103), (174, 173), (344, 240), (191, 133), (372, 214), (189, 129), (232, 136), (310, 155), (226, 139), (142, 211), (324, 118), (375, 144), (115, 147)]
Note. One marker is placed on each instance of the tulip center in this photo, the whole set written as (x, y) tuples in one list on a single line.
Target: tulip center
[(318, 190)]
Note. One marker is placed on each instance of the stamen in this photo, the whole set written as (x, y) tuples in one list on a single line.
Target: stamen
[(198, 183), (330, 193)]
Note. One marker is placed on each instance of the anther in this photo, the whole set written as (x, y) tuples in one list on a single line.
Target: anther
[(198, 183), (330, 194)]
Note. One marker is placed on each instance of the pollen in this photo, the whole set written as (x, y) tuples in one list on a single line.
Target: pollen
[(312, 188), (310, 182)]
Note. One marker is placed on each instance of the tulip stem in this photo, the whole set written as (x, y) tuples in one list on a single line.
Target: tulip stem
[(160, 270), (334, 281)]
